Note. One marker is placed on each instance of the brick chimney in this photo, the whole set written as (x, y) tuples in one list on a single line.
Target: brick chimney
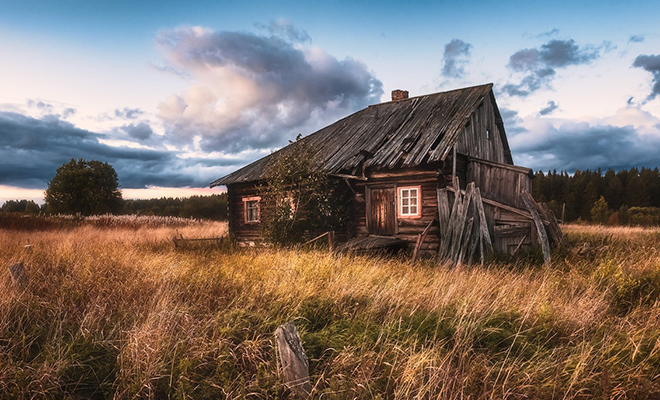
[(399, 94)]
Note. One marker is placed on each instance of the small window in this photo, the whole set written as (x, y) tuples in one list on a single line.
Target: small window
[(251, 209), (487, 133), (409, 202)]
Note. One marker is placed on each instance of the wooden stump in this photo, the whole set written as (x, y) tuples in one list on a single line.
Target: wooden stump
[(295, 365), (18, 275)]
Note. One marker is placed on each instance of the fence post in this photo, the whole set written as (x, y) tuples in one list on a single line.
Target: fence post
[(295, 365)]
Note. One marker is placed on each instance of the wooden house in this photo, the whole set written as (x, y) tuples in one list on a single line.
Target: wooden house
[(402, 161)]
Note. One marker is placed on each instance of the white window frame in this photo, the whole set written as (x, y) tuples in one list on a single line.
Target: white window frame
[(404, 203), (247, 200)]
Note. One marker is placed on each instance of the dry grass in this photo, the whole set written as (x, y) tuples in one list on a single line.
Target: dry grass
[(118, 312)]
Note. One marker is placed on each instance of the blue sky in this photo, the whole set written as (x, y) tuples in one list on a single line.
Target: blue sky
[(177, 94)]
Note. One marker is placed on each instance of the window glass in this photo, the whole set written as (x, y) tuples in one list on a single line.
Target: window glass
[(252, 211), (408, 202)]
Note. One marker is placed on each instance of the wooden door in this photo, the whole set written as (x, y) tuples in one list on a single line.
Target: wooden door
[(382, 220)]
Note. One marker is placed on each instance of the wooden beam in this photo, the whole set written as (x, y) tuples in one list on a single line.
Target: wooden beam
[(502, 206), (523, 170), (518, 247), (345, 176)]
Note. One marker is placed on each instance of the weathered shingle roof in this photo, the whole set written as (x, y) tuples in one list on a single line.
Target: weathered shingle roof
[(395, 134)]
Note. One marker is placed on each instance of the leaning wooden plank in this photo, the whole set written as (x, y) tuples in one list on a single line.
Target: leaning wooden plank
[(483, 223), (466, 244), (554, 225), (518, 247), (421, 239), (446, 242), (459, 227), (295, 365), (540, 228), (443, 212)]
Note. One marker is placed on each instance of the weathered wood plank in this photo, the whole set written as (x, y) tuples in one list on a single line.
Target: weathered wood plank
[(420, 240), (293, 359), (443, 212), (540, 228), (483, 223)]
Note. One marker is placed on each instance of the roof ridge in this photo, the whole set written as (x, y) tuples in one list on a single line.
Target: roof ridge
[(490, 85)]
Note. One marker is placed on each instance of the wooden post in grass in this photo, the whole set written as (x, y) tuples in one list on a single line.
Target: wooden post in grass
[(18, 275), (293, 359), (331, 240)]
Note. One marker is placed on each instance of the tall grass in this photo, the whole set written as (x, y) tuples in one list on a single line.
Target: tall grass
[(118, 312)]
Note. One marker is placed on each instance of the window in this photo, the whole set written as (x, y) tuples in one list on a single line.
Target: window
[(409, 202), (251, 209)]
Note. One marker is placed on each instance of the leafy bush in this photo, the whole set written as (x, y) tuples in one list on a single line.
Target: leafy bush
[(644, 216), (304, 199)]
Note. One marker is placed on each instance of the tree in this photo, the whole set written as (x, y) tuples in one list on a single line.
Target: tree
[(28, 207), (85, 187), (600, 212)]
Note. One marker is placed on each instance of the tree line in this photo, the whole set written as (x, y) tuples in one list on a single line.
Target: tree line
[(213, 207), (625, 197)]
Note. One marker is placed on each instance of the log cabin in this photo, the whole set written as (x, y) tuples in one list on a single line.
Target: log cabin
[(404, 163)]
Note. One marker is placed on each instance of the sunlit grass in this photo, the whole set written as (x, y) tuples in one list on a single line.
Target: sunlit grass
[(117, 311)]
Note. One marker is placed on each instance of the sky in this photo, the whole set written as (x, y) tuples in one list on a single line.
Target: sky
[(177, 94)]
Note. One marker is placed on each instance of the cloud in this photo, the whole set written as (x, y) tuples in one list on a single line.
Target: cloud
[(552, 106), (68, 111), (41, 106), (625, 140), (128, 113), (285, 29), (551, 32), (636, 39), (538, 66), (650, 63), (141, 131), (456, 56), (252, 91), (32, 149)]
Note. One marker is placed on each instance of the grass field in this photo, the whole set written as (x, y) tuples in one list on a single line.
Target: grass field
[(115, 311)]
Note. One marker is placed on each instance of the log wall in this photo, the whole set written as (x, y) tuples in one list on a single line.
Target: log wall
[(407, 229), (244, 232)]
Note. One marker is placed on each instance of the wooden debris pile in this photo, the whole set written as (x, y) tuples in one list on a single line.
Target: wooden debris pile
[(465, 238)]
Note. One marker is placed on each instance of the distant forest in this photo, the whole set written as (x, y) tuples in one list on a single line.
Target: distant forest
[(212, 207), (627, 197)]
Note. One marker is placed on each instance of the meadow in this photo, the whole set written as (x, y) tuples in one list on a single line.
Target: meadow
[(114, 310)]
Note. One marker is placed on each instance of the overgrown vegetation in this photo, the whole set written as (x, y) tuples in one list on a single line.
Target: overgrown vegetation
[(118, 312), (304, 199)]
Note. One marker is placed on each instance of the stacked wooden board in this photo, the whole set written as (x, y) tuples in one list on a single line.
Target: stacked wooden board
[(464, 233), (464, 238)]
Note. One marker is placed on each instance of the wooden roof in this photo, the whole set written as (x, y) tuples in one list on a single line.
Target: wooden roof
[(396, 134)]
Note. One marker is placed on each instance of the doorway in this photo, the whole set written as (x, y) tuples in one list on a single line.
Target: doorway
[(382, 220)]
